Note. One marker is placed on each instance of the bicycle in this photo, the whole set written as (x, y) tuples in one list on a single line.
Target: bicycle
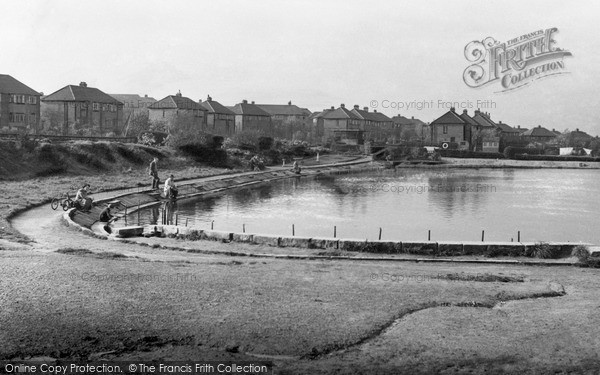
[(65, 202)]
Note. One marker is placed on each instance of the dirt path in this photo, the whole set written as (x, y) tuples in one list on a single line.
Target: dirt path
[(77, 297)]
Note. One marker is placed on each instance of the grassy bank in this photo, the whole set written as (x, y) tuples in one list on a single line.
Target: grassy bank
[(35, 176)]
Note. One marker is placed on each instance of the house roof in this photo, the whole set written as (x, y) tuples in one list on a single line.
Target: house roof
[(245, 108), (448, 118), (341, 113), (135, 98), (507, 128), (214, 106), (177, 101), (9, 85), (468, 119), (282, 109), (539, 131), (401, 120), (371, 116), (72, 93), (579, 134), (484, 120)]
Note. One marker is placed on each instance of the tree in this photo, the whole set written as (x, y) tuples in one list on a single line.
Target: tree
[(138, 123)]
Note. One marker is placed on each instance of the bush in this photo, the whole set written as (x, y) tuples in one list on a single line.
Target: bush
[(510, 152), (205, 154), (470, 154), (581, 252), (265, 143), (152, 138)]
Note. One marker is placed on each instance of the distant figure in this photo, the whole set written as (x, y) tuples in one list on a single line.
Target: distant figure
[(170, 189), (82, 199), (107, 217), (295, 167), (153, 170)]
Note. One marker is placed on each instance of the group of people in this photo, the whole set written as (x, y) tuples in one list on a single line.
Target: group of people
[(170, 190)]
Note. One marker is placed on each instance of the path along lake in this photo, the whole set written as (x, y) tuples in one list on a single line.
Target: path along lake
[(455, 204)]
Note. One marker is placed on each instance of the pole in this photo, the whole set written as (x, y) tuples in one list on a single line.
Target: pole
[(243, 228), (519, 236), (429, 235), (379, 234), (334, 231), (293, 230), (482, 235), (212, 224)]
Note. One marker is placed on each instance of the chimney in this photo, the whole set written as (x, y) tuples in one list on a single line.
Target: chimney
[(366, 109), (412, 117), (208, 98), (332, 107), (453, 109), (356, 106), (244, 101), (253, 102), (477, 111), (464, 111), (290, 102), (539, 126), (518, 126), (577, 129), (375, 110), (178, 93), (553, 129), (343, 105), (82, 84), (145, 95), (499, 122)]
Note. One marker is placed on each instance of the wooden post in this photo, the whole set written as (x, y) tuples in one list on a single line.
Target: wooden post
[(334, 231), (243, 228), (186, 220), (519, 236), (482, 235), (293, 230), (379, 234), (212, 225), (429, 235), (177, 218)]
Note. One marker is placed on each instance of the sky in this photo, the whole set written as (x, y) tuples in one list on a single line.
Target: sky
[(398, 57)]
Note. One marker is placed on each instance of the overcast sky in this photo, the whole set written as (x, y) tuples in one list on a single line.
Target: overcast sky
[(315, 53)]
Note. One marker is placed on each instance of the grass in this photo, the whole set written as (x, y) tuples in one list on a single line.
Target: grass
[(70, 166)]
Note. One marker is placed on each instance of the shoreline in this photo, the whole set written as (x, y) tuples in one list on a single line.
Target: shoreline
[(511, 163)]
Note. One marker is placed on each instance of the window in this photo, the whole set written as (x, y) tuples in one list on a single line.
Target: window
[(19, 99), (17, 117), (96, 106), (32, 100), (445, 129)]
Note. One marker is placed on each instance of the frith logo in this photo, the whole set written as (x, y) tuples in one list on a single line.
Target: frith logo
[(515, 63)]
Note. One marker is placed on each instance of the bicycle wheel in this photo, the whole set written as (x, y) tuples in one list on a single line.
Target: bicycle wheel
[(54, 204), (66, 204)]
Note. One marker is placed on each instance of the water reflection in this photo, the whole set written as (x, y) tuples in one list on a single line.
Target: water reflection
[(550, 205)]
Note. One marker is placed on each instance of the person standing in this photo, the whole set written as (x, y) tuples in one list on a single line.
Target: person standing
[(154, 173)]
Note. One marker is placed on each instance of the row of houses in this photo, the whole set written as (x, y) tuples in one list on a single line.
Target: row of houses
[(478, 132), (73, 107)]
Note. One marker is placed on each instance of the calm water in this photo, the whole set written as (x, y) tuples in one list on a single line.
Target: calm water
[(544, 204)]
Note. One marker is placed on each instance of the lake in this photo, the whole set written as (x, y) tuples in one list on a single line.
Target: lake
[(454, 204)]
